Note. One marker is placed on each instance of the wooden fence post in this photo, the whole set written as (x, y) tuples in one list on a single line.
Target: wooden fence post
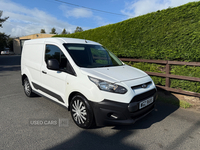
[(167, 81)]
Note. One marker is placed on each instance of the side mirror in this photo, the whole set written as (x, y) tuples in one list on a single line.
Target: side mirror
[(53, 64)]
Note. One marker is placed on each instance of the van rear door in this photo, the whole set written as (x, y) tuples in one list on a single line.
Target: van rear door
[(32, 60)]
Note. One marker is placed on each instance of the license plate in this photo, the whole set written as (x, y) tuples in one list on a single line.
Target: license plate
[(146, 102)]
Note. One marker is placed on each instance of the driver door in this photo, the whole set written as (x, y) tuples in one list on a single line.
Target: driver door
[(54, 82)]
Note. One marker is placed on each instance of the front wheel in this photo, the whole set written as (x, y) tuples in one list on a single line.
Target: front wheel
[(81, 112)]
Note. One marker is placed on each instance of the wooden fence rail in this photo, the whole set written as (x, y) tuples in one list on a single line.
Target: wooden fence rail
[(169, 76)]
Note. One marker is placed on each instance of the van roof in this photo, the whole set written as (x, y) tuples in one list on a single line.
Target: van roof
[(61, 41)]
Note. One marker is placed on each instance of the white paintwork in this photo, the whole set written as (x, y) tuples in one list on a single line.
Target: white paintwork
[(115, 74), (63, 84)]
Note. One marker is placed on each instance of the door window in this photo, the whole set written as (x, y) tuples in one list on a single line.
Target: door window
[(54, 52)]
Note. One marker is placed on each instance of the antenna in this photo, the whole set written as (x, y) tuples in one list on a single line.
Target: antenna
[(85, 40)]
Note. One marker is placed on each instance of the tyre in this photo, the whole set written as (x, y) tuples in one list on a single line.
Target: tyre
[(81, 112), (27, 88)]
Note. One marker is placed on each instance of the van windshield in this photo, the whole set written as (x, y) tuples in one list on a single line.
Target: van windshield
[(92, 56)]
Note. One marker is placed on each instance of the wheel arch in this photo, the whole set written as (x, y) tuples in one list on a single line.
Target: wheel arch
[(90, 121), (72, 95), (23, 77)]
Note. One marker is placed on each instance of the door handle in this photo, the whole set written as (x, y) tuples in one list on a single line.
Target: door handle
[(44, 72)]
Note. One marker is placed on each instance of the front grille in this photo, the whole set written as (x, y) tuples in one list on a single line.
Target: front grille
[(144, 96), (140, 85)]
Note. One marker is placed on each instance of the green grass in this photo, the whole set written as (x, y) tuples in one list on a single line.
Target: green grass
[(185, 104)]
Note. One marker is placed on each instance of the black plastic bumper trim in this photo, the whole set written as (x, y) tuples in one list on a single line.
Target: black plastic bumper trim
[(109, 112), (38, 87), (144, 96)]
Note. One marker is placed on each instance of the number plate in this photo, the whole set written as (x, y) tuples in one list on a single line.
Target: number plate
[(145, 102)]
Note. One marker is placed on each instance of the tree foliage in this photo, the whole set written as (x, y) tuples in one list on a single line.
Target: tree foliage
[(42, 31), (78, 29), (53, 31), (3, 37), (65, 32), (2, 19), (3, 41)]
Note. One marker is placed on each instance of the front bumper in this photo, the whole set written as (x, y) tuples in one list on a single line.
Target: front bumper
[(109, 112)]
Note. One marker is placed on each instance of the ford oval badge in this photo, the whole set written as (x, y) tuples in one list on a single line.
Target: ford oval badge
[(144, 86)]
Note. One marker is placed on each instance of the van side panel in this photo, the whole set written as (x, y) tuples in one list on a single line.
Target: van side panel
[(32, 60)]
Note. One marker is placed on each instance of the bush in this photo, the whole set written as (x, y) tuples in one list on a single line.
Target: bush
[(176, 70), (171, 34)]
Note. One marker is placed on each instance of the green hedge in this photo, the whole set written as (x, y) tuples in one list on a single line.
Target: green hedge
[(171, 34), (152, 68), (186, 71), (176, 70)]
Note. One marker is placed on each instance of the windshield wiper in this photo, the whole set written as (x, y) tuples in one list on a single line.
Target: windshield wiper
[(107, 66)]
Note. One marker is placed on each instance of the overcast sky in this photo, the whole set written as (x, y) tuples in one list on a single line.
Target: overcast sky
[(30, 16)]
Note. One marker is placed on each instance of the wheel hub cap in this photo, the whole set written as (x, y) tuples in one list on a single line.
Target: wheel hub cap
[(79, 111)]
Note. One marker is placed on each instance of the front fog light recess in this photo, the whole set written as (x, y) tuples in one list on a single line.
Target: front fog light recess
[(107, 86)]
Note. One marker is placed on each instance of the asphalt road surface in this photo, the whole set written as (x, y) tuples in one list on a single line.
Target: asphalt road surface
[(38, 123)]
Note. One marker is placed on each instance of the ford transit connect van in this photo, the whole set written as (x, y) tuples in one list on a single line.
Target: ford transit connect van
[(88, 79)]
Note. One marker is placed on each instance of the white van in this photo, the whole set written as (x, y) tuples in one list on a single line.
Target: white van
[(88, 79)]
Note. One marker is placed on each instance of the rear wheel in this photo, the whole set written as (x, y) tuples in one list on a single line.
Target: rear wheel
[(81, 112), (27, 88)]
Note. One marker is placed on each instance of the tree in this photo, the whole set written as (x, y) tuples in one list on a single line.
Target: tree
[(78, 29), (65, 32), (3, 41), (3, 37), (2, 19), (42, 31), (53, 31)]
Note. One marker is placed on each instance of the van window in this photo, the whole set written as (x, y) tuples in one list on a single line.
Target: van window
[(54, 52), (92, 56)]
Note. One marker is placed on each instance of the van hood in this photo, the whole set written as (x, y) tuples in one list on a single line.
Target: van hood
[(114, 74)]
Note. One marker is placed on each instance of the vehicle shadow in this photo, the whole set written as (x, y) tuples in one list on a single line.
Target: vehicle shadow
[(161, 111), (87, 139), (163, 108)]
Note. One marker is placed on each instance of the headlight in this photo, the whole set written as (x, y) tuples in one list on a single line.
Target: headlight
[(109, 87)]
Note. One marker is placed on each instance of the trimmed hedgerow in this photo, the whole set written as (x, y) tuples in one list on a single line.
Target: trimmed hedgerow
[(190, 71), (148, 67), (152, 68), (176, 70), (185, 85), (171, 34)]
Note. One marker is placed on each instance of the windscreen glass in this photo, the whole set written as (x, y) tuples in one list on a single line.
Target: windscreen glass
[(92, 56)]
